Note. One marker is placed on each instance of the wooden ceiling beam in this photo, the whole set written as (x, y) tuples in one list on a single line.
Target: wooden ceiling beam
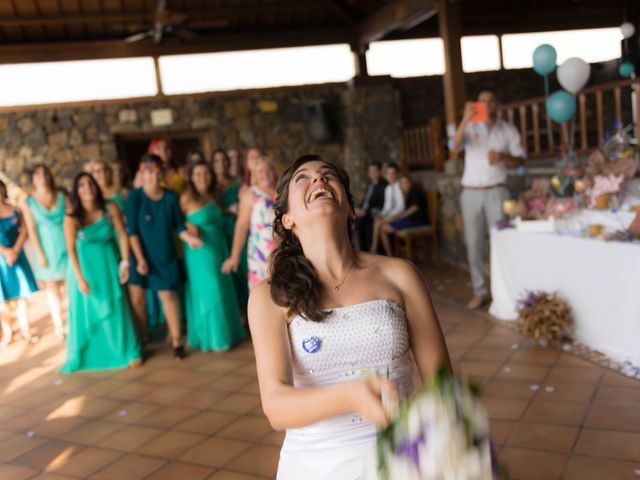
[(397, 15), (85, 50), (110, 17)]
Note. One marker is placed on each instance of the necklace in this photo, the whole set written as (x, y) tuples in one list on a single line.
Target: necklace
[(336, 286)]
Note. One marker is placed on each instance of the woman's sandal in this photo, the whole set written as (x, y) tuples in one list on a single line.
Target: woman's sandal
[(30, 339)]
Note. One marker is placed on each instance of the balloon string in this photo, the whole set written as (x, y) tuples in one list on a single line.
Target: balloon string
[(546, 86), (573, 134)]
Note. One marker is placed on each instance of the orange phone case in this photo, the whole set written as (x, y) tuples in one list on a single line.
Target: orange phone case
[(481, 114)]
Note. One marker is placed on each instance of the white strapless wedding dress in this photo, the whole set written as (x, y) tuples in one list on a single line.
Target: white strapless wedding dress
[(352, 342)]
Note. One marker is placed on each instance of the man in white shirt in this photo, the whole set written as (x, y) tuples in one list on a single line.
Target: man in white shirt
[(490, 147), (393, 203)]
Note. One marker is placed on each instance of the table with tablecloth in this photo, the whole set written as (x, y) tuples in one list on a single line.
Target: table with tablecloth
[(599, 280)]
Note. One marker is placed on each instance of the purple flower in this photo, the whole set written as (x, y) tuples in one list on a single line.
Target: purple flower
[(411, 449), (530, 301)]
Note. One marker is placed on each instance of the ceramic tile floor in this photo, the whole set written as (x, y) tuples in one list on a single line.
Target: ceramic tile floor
[(553, 415)]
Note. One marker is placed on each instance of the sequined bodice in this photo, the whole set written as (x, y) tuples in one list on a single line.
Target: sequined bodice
[(353, 341)]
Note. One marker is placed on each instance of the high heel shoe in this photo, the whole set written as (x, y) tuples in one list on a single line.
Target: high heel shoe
[(179, 353)]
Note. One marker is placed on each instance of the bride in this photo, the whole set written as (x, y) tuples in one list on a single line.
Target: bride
[(334, 330)]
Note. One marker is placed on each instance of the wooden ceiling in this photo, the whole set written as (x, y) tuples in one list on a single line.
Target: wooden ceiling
[(42, 30)]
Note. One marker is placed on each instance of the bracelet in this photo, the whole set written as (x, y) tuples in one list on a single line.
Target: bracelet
[(124, 264)]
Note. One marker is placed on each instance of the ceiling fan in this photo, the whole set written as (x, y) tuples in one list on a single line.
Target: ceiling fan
[(165, 22)]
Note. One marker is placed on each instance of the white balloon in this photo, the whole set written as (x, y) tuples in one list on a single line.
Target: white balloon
[(627, 29), (573, 74)]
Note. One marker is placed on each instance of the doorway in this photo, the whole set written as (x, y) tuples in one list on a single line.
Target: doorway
[(132, 146)]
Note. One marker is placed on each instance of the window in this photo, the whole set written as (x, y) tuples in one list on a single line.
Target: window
[(256, 69), (593, 45), (480, 54), (406, 58), (57, 82)]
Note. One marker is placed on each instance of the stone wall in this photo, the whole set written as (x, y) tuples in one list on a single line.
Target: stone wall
[(366, 121)]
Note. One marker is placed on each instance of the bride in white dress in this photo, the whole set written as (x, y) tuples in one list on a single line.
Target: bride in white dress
[(334, 330)]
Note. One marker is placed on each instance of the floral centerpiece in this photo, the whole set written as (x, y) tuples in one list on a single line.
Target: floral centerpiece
[(442, 433), (614, 157), (604, 186)]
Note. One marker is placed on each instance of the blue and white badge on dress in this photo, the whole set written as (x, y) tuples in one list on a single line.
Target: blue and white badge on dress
[(311, 344)]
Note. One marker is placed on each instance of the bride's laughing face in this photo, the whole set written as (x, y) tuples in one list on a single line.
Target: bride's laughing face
[(315, 189)]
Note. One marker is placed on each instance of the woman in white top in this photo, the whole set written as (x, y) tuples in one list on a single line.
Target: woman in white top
[(393, 205), (332, 329)]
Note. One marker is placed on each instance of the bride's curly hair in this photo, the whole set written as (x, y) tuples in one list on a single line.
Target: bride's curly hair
[(294, 281)]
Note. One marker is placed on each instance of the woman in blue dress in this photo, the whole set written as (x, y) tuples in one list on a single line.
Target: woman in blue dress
[(16, 279), (43, 214), (153, 217)]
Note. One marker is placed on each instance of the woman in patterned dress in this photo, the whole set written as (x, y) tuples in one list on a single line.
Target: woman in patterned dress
[(255, 215)]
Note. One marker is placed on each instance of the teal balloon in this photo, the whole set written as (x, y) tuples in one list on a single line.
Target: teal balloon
[(626, 69), (544, 59), (561, 106)]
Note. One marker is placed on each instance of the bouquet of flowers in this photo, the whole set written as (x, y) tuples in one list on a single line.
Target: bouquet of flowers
[(440, 434)]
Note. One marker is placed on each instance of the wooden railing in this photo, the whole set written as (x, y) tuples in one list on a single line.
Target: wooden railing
[(597, 110), (423, 146)]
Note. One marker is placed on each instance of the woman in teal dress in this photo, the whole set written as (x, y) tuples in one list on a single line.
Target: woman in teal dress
[(102, 172), (153, 217), (17, 282), (213, 315), (102, 332), (43, 214), (228, 189)]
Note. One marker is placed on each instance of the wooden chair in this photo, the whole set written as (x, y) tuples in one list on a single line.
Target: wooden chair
[(404, 239)]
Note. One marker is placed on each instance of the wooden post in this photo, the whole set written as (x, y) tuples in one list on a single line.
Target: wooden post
[(450, 28), (360, 59), (582, 98), (156, 65)]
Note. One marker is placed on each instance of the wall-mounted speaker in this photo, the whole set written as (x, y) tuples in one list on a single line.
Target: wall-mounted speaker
[(317, 118)]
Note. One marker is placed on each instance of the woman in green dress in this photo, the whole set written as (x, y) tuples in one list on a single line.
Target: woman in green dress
[(213, 315), (153, 219), (102, 172), (102, 332), (43, 214), (227, 192)]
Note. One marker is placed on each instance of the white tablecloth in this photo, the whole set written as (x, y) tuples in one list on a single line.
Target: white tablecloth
[(599, 280)]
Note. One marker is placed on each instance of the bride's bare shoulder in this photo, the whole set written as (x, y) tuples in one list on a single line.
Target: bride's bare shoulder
[(390, 267), (261, 305)]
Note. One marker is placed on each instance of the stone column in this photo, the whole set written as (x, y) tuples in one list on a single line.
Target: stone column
[(372, 128)]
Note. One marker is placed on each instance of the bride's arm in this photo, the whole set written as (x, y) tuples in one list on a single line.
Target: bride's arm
[(425, 335), (289, 407)]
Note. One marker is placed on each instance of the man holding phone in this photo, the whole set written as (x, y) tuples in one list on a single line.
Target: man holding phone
[(491, 146)]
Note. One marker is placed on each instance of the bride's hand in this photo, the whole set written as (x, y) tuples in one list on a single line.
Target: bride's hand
[(366, 398)]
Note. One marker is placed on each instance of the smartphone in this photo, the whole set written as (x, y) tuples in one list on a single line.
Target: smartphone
[(481, 113)]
